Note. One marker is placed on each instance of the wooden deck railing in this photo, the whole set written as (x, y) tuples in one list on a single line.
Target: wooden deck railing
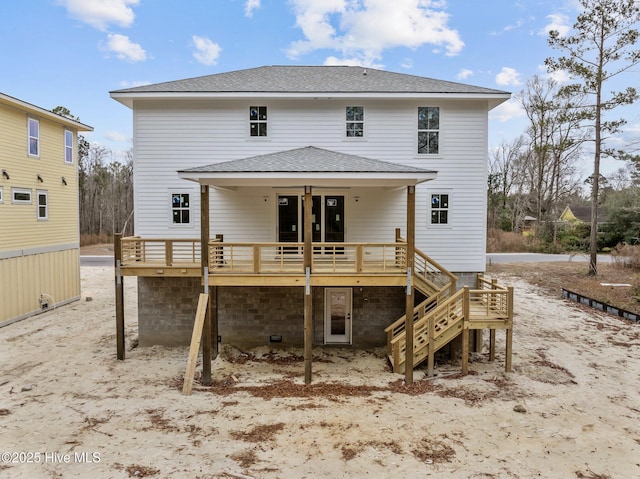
[(165, 252), (269, 258), (266, 258), (490, 306), (431, 331)]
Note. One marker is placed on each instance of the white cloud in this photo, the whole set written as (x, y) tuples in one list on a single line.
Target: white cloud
[(507, 111), (206, 52), (508, 77), (250, 6), (559, 76), (559, 22), (407, 63), (101, 13), (131, 84), (364, 29), (350, 62), (464, 74), (116, 136), (124, 48)]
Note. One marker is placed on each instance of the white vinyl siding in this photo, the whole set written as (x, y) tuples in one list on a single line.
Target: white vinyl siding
[(196, 133)]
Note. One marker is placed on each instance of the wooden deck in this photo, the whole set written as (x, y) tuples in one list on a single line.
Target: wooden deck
[(445, 314), (264, 264)]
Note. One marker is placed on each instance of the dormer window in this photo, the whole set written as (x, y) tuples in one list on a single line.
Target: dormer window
[(258, 120)]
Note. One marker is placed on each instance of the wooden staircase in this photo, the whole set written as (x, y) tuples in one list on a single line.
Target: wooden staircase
[(446, 314)]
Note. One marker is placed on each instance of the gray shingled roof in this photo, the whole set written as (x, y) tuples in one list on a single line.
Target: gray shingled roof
[(306, 160), (310, 79)]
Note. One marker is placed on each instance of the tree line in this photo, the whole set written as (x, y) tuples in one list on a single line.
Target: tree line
[(105, 189), (535, 176)]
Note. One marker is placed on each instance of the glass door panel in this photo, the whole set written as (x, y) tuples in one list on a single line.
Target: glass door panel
[(338, 315)]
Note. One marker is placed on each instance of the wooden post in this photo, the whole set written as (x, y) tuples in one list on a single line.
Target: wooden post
[(465, 331), (204, 262), (308, 296), (509, 339), (408, 325), (119, 283), (196, 337)]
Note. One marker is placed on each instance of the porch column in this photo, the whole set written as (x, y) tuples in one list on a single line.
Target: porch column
[(408, 324), (308, 296), (204, 262)]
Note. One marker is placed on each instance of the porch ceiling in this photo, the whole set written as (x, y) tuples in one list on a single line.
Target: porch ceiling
[(307, 166)]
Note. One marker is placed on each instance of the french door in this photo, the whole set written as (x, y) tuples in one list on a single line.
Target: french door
[(327, 216)]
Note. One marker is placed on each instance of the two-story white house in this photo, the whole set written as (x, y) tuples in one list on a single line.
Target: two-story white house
[(394, 169)]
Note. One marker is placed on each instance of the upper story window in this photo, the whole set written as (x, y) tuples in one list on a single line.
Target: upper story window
[(21, 196), (180, 209), (258, 120), (43, 205), (428, 130), (355, 121), (68, 146), (439, 209), (34, 137)]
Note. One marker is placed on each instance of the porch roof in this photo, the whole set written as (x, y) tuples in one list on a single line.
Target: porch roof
[(307, 166)]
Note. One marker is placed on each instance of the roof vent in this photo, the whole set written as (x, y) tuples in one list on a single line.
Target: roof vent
[(364, 72)]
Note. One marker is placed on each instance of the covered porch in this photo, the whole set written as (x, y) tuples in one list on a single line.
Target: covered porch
[(306, 264)]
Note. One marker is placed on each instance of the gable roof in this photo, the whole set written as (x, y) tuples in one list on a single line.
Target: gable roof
[(581, 213), (41, 112), (309, 81), (308, 165)]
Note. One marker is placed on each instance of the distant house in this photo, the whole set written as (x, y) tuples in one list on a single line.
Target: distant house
[(578, 214), (323, 193), (39, 232), (529, 225)]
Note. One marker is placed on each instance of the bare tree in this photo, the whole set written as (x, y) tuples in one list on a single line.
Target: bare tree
[(600, 48)]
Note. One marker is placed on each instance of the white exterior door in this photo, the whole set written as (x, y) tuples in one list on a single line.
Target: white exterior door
[(337, 315)]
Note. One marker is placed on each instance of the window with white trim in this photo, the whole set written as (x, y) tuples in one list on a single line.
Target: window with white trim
[(34, 137), (428, 130), (258, 120), (20, 196), (43, 204), (68, 147), (1, 195), (180, 209), (439, 208), (355, 121)]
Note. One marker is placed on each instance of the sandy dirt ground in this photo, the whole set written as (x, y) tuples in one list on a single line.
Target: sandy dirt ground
[(68, 408)]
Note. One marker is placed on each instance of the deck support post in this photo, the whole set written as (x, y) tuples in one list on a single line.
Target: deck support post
[(408, 326), (204, 263), (509, 338), (119, 284), (308, 296), (465, 330)]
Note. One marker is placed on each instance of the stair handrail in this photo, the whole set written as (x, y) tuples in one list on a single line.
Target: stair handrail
[(397, 327), (435, 268), (399, 342)]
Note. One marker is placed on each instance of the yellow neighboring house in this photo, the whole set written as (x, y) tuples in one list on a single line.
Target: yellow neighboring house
[(575, 215), (39, 229)]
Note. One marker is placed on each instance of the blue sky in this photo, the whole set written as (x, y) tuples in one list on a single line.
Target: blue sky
[(73, 52)]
